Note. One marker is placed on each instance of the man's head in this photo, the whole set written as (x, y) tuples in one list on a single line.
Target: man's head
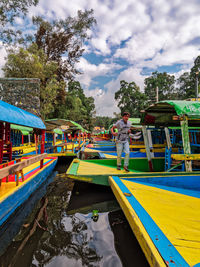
[(125, 116)]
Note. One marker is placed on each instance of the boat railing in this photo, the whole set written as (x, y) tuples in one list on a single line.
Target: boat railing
[(17, 168)]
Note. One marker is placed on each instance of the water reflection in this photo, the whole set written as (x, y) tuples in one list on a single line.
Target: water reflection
[(77, 241), (61, 232)]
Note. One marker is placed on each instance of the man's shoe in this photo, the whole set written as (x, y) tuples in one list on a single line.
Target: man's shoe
[(126, 169), (119, 168)]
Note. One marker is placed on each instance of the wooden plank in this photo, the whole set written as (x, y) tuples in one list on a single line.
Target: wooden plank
[(169, 145), (186, 142), (186, 156), (19, 166), (146, 142), (62, 144), (150, 143)]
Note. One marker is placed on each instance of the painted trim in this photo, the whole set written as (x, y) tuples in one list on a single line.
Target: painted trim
[(10, 203), (157, 241), (187, 192)]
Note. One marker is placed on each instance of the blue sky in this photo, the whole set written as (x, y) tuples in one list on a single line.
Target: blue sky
[(132, 39)]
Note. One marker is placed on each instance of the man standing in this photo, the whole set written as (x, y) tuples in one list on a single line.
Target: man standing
[(122, 139)]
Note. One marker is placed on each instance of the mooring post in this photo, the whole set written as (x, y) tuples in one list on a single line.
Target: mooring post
[(148, 152), (186, 142)]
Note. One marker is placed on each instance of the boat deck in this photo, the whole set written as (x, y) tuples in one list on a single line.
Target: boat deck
[(6, 189), (164, 215)]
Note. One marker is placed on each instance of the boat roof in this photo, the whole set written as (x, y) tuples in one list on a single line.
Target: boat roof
[(58, 131), (24, 130), (170, 112), (15, 115), (51, 124)]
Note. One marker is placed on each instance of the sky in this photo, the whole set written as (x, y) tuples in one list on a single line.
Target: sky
[(132, 39)]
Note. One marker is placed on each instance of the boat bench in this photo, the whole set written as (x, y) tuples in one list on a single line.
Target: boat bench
[(185, 156), (18, 167), (64, 147)]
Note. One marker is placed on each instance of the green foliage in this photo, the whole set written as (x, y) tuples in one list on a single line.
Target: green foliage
[(51, 57), (77, 106), (48, 96), (9, 10), (130, 98), (62, 42), (187, 81), (103, 121), (63, 38), (32, 63), (186, 86), (165, 84)]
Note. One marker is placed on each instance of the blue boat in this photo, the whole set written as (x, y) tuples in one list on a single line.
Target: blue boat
[(19, 178)]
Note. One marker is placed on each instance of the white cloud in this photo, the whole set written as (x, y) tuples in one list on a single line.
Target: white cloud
[(2, 58), (104, 100), (153, 33), (91, 70)]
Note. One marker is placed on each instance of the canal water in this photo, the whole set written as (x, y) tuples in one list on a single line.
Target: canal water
[(69, 224)]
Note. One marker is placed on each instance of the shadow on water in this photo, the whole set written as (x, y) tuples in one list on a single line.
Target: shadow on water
[(61, 230)]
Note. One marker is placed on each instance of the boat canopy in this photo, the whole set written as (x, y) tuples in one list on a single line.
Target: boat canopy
[(58, 131), (170, 112), (51, 124), (15, 115), (24, 130)]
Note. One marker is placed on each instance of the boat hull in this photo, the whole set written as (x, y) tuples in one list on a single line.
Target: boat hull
[(97, 171), (10, 201), (164, 216)]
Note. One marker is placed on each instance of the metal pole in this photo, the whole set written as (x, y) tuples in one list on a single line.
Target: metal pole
[(156, 93), (197, 85)]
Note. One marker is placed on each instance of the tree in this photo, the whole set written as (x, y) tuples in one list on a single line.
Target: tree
[(32, 63), (194, 75), (9, 10), (62, 40), (77, 106), (130, 98), (87, 107), (185, 85), (50, 55), (187, 81), (165, 84), (103, 121)]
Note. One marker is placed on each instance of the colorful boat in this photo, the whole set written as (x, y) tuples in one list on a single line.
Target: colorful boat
[(106, 153), (105, 149), (163, 209), (163, 114), (66, 147), (164, 215), (97, 171), (20, 178)]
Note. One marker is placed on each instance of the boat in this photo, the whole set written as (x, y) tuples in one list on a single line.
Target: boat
[(107, 149), (165, 114), (164, 215), (97, 171), (65, 147), (19, 178), (163, 209)]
